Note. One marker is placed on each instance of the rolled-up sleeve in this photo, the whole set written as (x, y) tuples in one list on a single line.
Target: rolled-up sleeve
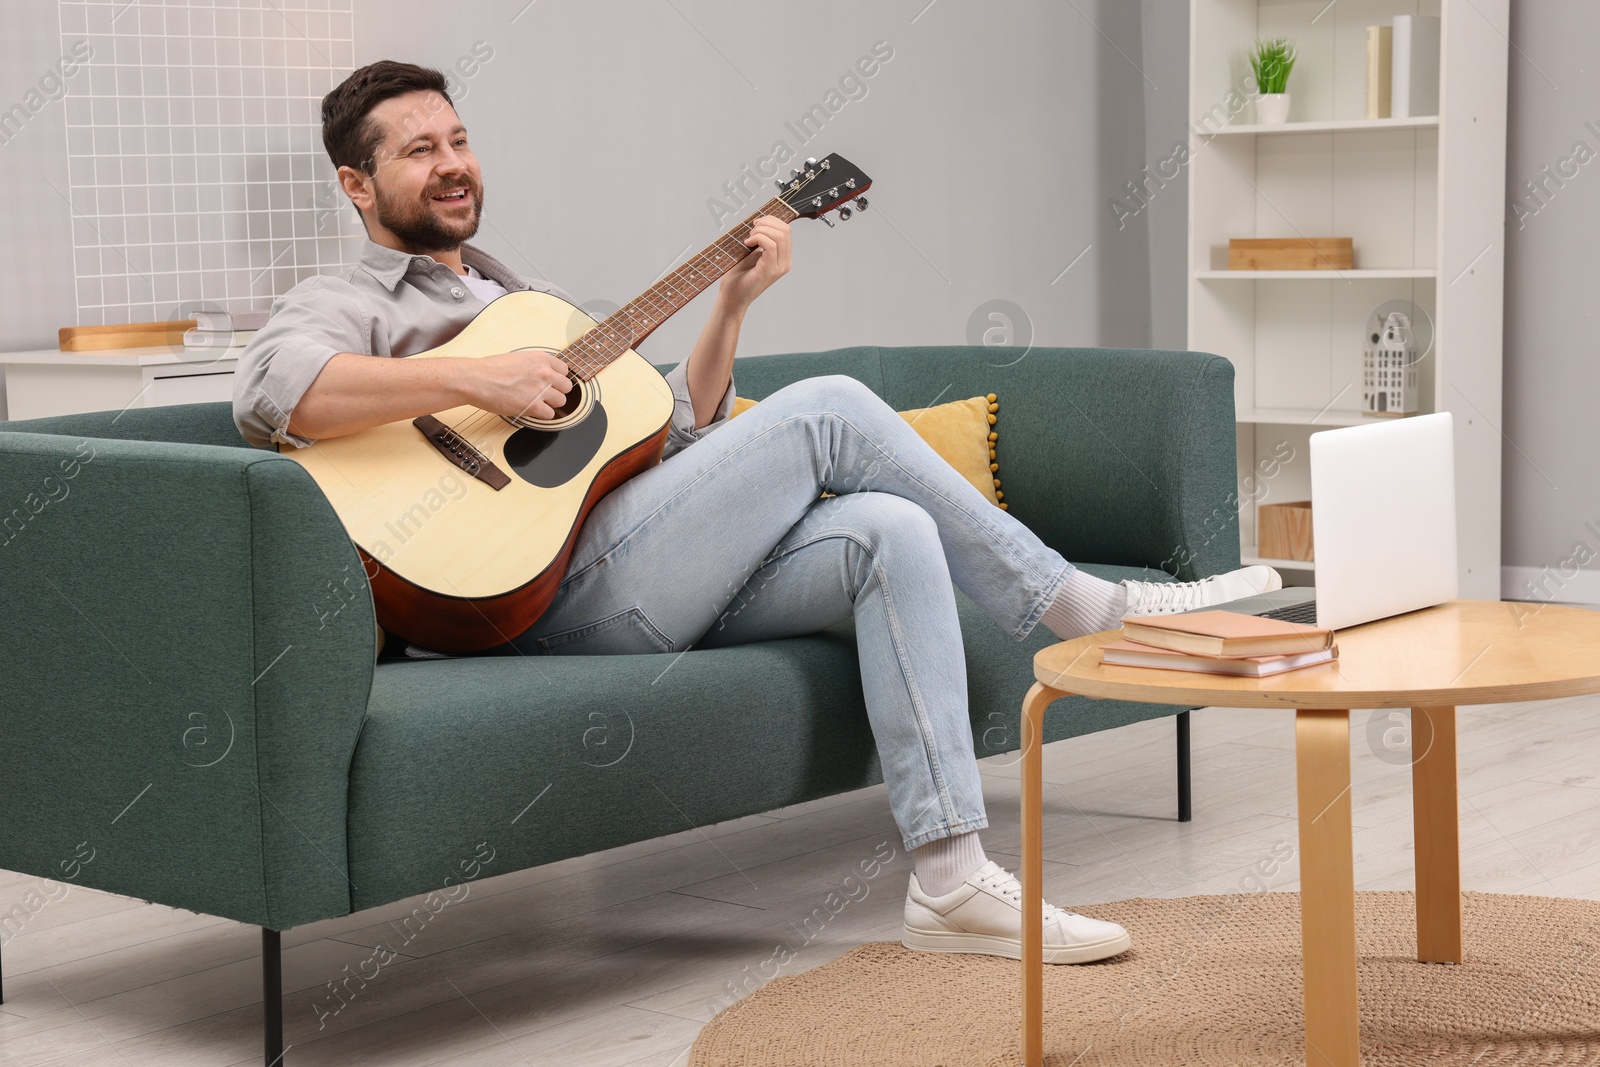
[(309, 325), (681, 433)]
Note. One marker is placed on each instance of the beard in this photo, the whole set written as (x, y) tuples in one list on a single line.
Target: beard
[(417, 225)]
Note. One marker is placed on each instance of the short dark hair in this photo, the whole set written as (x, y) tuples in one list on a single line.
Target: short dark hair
[(348, 132)]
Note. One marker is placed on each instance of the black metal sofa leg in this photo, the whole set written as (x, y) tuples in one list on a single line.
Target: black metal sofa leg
[(1185, 811), (272, 994)]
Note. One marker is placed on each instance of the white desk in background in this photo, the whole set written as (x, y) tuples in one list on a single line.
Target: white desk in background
[(47, 382)]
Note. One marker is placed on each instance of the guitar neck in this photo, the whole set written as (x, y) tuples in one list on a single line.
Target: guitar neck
[(639, 317)]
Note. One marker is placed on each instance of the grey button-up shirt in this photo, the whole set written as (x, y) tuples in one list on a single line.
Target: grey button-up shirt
[(391, 304)]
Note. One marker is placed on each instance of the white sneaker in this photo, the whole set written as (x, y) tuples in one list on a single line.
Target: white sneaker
[(984, 914), (1169, 598)]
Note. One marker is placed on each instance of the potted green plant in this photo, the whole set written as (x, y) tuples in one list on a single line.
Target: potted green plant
[(1272, 60)]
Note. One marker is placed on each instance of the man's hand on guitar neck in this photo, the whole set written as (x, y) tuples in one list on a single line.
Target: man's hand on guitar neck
[(769, 238), (711, 362), (357, 392)]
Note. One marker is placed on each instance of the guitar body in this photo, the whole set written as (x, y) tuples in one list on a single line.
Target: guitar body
[(454, 563)]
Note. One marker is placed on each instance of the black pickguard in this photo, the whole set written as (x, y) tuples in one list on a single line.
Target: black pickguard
[(548, 458)]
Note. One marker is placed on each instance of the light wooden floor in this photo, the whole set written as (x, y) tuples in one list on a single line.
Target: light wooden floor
[(620, 957)]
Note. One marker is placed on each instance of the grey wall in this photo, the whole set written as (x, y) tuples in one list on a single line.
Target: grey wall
[(1552, 383), (1163, 224), (36, 282), (996, 135)]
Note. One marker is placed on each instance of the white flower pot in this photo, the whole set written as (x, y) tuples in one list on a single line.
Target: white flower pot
[(1272, 109)]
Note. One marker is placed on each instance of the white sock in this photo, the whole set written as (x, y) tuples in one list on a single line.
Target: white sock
[(1085, 605), (944, 864)]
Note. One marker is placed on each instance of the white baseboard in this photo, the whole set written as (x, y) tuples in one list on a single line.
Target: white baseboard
[(1550, 585)]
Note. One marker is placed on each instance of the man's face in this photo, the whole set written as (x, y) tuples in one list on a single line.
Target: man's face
[(427, 190)]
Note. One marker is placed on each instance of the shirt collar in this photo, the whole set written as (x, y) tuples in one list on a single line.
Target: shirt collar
[(389, 265)]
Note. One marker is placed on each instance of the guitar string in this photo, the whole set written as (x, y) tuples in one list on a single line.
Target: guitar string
[(597, 347), (611, 345), (483, 420)]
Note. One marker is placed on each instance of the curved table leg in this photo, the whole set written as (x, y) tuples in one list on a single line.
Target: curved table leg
[(1327, 888), (1437, 823), (1034, 706)]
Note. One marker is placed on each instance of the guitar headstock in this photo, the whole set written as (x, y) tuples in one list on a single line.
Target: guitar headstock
[(818, 187)]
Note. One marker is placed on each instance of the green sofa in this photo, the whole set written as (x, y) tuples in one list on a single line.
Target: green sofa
[(187, 680)]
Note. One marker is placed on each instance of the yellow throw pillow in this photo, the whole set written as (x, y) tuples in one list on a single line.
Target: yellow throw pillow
[(962, 432)]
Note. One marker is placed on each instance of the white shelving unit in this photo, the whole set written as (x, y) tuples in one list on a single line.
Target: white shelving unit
[(1424, 200)]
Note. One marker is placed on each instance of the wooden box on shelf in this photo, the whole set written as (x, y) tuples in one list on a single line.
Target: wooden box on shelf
[(123, 335), (1291, 253), (1284, 530)]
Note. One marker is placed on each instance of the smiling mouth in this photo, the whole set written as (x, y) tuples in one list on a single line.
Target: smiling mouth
[(454, 196)]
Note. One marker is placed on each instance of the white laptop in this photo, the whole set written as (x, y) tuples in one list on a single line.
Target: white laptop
[(1383, 524)]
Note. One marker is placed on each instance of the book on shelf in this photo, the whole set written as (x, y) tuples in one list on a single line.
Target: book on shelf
[(1226, 633), (198, 338), (227, 321), (1380, 66), (1134, 654), (1414, 78)]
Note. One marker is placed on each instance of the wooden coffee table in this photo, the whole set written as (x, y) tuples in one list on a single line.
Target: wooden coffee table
[(1464, 652)]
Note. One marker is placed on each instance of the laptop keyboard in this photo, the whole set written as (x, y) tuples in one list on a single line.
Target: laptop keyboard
[(1303, 613)]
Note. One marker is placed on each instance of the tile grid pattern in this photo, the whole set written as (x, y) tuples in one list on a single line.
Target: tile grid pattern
[(196, 172)]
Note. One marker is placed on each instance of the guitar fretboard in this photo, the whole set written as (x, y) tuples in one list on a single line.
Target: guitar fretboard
[(639, 317)]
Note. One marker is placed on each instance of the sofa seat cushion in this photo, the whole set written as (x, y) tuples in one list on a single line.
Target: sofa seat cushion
[(606, 752), (542, 758)]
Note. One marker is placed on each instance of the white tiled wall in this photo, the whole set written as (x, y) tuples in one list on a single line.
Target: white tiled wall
[(195, 161)]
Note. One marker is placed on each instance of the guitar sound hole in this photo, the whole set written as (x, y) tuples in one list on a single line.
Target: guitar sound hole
[(548, 458), (574, 398)]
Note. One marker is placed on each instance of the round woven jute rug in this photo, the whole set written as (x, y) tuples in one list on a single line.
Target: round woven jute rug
[(1210, 980)]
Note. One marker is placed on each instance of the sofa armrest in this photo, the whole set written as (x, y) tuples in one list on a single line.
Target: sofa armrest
[(183, 677)]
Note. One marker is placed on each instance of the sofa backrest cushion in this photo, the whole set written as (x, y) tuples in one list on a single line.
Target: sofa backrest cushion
[(193, 424), (1110, 455)]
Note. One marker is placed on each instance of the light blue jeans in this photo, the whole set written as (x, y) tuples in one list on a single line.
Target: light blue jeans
[(730, 541)]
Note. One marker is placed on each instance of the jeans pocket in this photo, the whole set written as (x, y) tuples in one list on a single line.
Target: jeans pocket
[(628, 632)]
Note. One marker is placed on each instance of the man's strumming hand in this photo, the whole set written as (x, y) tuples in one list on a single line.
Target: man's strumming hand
[(529, 382)]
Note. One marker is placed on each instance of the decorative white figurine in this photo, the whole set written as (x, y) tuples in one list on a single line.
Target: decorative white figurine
[(1389, 368)]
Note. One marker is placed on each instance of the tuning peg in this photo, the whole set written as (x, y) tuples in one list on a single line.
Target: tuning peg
[(811, 162), (796, 172), (826, 219), (844, 214), (861, 203)]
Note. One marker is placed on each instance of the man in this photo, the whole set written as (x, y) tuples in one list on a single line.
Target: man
[(729, 539)]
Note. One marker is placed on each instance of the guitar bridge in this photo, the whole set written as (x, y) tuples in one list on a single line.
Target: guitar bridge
[(455, 448)]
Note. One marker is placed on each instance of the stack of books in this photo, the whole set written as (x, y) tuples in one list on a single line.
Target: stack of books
[(223, 329), (1220, 642)]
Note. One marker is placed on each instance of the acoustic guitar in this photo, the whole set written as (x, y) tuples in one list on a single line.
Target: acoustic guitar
[(464, 519)]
